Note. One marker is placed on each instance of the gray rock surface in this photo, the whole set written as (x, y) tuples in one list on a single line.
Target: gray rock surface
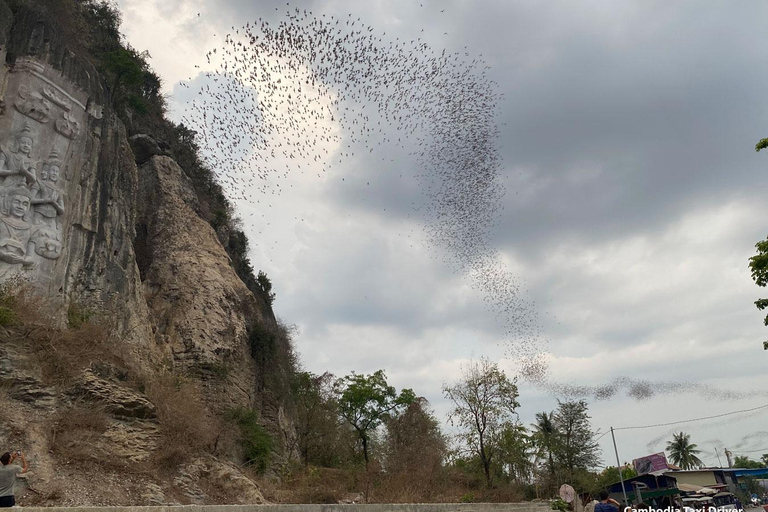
[(118, 400), (144, 147), (199, 308), (6, 20)]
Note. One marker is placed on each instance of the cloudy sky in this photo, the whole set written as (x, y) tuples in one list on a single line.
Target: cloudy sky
[(634, 198)]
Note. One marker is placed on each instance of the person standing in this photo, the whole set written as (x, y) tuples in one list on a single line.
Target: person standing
[(607, 504), (8, 473)]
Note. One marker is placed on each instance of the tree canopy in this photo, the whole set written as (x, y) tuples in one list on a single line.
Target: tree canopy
[(682, 452), (576, 448), (742, 461), (365, 401)]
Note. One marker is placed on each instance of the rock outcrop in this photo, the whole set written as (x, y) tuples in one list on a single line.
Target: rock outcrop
[(88, 229), (200, 310), (120, 401)]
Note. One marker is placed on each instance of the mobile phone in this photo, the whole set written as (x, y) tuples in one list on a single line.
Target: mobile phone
[(18, 453)]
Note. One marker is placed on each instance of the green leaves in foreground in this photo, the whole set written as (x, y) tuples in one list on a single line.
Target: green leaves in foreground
[(255, 440)]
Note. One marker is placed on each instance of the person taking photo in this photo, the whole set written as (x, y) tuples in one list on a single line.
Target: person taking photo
[(8, 474)]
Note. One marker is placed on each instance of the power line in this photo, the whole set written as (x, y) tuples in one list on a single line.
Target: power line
[(751, 451), (765, 406), (692, 419), (603, 435)]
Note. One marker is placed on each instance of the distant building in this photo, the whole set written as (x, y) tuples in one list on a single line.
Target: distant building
[(731, 479), (661, 488)]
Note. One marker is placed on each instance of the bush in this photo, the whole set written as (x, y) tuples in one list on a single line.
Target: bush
[(272, 349), (77, 315), (265, 286), (75, 432), (254, 439), (187, 425), (8, 314), (61, 354)]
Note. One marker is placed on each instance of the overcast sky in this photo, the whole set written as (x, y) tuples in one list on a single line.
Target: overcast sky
[(634, 200)]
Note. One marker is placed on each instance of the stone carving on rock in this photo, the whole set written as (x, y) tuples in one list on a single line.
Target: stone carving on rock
[(49, 206), (16, 244), (33, 105), (27, 63), (43, 137), (17, 167), (67, 126), (56, 97)]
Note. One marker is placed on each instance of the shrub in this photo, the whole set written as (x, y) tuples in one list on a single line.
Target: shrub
[(272, 349), (265, 285), (187, 425), (254, 439), (77, 315), (8, 301), (61, 354), (75, 432)]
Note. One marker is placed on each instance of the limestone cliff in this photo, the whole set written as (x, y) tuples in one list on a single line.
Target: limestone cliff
[(199, 309), (89, 230)]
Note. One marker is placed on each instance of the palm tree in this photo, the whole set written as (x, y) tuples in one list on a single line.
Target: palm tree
[(544, 434), (683, 452)]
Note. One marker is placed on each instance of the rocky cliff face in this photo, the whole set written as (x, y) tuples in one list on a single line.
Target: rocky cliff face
[(88, 229), (199, 309)]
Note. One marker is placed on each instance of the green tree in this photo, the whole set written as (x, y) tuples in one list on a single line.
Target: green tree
[(265, 285), (316, 416), (544, 438), (516, 449), (742, 461), (575, 444), (610, 476), (365, 401), (483, 405), (764, 459), (682, 452), (759, 264)]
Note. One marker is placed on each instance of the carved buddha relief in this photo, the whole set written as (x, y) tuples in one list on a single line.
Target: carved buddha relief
[(41, 141), (67, 126), (49, 206), (17, 166), (16, 230), (33, 105)]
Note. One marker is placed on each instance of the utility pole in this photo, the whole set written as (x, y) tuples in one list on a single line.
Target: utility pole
[(719, 462), (618, 465), (728, 456)]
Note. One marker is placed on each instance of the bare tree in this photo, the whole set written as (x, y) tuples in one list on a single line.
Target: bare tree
[(484, 403)]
